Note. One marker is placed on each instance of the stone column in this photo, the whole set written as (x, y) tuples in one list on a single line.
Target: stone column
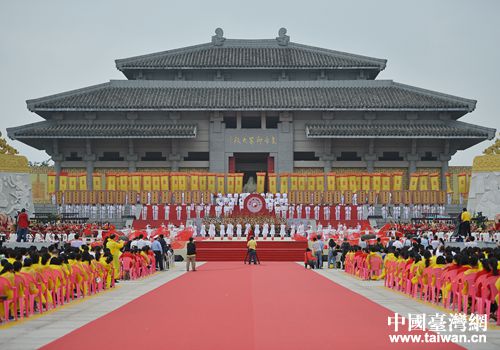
[(58, 168), (217, 143), (285, 144), (444, 158), (90, 172), (132, 157)]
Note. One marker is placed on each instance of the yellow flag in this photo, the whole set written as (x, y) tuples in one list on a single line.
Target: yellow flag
[(294, 182), (195, 184), (202, 181), (386, 182), (221, 183), (146, 182), (82, 182), (423, 181), (230, 183), (320, 182), (96, 182), (462, 183), (376, 182), (51, 183), (155, 182), (272, 183), (238, 182), (261, 177), (331, 181), (283, 183), (164, 182), (434, 182), (366, 180), (413, 182), (311, 182), (302, 182), (72, 182), (211, 182)]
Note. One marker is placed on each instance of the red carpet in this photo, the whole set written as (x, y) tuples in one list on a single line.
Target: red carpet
[(268, 250), (277, 305)]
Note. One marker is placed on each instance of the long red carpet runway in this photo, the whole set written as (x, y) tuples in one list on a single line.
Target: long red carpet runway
[(229, 305)]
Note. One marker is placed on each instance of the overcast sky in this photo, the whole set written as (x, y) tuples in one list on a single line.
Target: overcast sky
[(51, 46)]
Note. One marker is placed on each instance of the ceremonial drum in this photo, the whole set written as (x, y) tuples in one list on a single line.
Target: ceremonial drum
[(155, 197), (120, 197), (407, 197), (361, 197), (348, 197), (110, 197), (337, 197), (93, 197), (144, 197), (397, 197), (59, 197), (84, 197), (165, 197), (372, 197), (417, 199), (384, 197), (441, 197), (255, 205)]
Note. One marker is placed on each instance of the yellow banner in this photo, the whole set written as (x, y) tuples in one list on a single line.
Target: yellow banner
[(72, 182), (123, 182), (164, 182), (238, 183), (63, 182), (330, 179), (358, 182), (183, 182), (155, 185), (320, 182), (413, 182), (96, 182), (462, 183), (283, 183), (352, 183), (221, 184), (51, 183), (434, 182), (376, 182), (135, 182), (202, 181), (294, 182), (343, 182), (272, 183), (311, 182), (82, 182), (423, 182), (174, 184), (386, 182), (230, 183), (302, 182), (110, 182), (397, 181), (146, 182), (366, 182), (211, 183), (261, 177), (195, 182), (449, 188)]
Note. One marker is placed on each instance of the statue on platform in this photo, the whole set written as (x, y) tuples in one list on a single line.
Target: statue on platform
[(250, 186)]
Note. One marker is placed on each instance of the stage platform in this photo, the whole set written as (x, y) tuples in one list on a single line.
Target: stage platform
[(267, 250)]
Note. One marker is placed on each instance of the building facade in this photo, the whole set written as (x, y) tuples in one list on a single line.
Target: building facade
[(235, 105)]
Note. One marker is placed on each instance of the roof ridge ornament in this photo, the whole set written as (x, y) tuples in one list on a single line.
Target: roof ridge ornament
[(218, 39), (282, 38)]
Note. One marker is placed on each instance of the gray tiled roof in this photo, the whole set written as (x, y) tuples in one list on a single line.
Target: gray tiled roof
[(100, 129), (249, 54), (137, 95), (397, 129)]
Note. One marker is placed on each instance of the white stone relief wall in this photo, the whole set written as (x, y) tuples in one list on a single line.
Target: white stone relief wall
[(484, 194), (15, 193)]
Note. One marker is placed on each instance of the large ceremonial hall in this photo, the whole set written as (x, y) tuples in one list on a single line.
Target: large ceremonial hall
[(316, 199)]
